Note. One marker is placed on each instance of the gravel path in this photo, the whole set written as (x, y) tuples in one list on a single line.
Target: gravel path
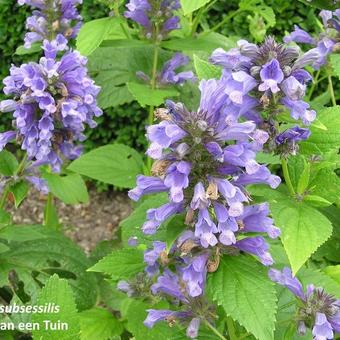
[(86, 224)]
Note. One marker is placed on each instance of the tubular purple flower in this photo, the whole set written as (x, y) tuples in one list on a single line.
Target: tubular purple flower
[(256, 246), (147, 185), (286, 279), (322, 328), (6, 137), (299, 36), (192, 330), (271, 75), (168, 74)]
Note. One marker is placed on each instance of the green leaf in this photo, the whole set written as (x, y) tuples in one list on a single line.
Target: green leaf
[(145, 95), (320, 279), (122, 263), (203, 42), (321, 4), (71, 189), (131, 226), (334, 273), (174, 227), (21, 50), (19, 191), (112, 67), (304, 178), (98, 323), (190, 6), (92, 33), (335, 62), (115, 164), (317, 201), (267, 158), (59, 292), (37, 252), (205, 70), (303, 229), (5, 218), (8, 163), (321, 141), (242, 287), (258, 7)]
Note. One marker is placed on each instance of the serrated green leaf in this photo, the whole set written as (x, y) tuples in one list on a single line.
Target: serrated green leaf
[(131, 226), (19, 191), (242, 287), (92, 33), (111, 96), (303, 229), (190, 6), (122, 263), (321, 141), (205, 70), (98, 323), (146, 96), (59, 292), (258, 7), (115, 164), (71, 189), (8, 163), (267, 158), (37, 252)]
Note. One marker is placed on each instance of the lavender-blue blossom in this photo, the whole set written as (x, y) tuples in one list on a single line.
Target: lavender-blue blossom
[(52, 102), (204, 159), (51, 18), (156, 17), (317, 309), (326, 42)]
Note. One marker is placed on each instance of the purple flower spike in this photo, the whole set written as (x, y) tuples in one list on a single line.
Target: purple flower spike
[(54, 18), (271, 75)]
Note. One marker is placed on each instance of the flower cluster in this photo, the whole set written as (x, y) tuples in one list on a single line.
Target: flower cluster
[(327, 42), (278, 81), (168, 73), (155, 16), (51, 18), (204, 160), (317, 309), (53, 100)]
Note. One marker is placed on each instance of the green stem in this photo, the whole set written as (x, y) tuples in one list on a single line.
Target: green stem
[(197, 20), (331, 90), (22, 165), (231, 329), (287, 177), (214, 330), (315, 82), (226, 19), (48, 209)]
